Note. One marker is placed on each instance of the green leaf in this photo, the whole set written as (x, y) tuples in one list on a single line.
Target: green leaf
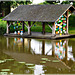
[(22, 62), (42, 62), (2, 61), (9, 59), (44, 58), (29, 64), (5, 70), (55, 61), (31, 67)]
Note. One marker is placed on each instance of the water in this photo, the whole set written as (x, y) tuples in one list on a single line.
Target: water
[(36, 56)]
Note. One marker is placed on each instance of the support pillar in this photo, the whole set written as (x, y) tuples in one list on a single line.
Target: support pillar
[(23, 26), (53, 29), (29, 28), (7, 28), (43, 28), (67, 23)]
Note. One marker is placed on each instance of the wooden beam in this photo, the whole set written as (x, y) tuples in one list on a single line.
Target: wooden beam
[(29, 28), (43, 27), (53, 28), (50, 26), (32, 24), (23, 26), (7, 28), (67, 23), (65, 15)]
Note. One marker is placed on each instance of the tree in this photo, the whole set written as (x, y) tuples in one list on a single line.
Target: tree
[(74, 3), (16, 3), (5, 6), (50, 2), (65, 2)]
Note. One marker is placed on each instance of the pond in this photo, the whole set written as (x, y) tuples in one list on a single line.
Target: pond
[(37, 56)]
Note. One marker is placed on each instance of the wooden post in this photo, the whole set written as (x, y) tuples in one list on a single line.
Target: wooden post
[(67, 23), (29, 28), (43, 27), (7, 28), (53, 28), (23, 26)]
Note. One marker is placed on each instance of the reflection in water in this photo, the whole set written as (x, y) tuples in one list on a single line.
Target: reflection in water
[(60, 49), (38, 70), (32, 50), (54, 48)]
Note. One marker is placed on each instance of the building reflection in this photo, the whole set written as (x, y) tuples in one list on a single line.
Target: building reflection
[(55, 48)]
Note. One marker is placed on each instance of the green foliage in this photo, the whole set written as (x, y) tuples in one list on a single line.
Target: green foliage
[(49, 2), (65, 2), (74, 3), (17, 3), (37, 27), (72, 20), (2, 27), (14, 4), (44, 3)]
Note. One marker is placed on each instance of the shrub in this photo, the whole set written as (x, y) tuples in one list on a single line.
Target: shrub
[(2, 27)]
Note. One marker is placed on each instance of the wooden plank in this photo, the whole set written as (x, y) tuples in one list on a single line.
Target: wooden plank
[(43, 27)]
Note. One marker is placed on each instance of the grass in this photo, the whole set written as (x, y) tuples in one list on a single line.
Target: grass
[(71, 30), (37, 27)]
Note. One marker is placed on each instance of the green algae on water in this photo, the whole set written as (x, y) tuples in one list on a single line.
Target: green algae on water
[(42, 62), (22, 62), (5, 70), (9, 59), (29, 64), (55, 61)]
